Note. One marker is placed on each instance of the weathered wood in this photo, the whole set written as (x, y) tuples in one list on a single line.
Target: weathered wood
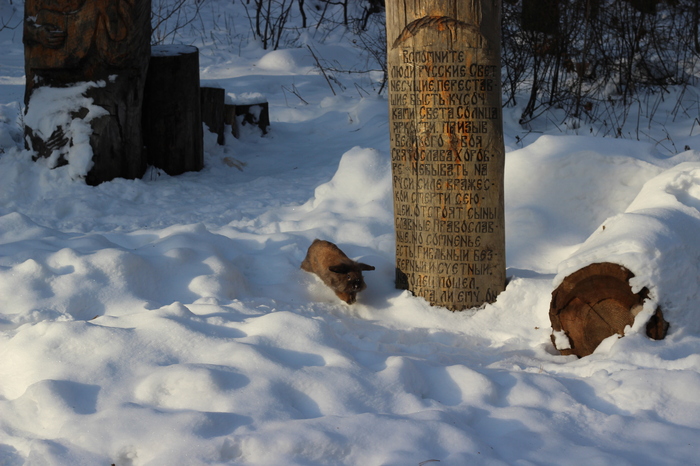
[(447, 149), (595, 303), (105, 41), (172, 111), (231, 120), (256, 114), (212, 103)]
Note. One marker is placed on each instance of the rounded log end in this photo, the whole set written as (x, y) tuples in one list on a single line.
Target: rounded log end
[(595, 303)]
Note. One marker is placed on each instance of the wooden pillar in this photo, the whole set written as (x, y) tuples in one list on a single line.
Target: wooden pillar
[(447, 149), (172, 114), (106, 42)]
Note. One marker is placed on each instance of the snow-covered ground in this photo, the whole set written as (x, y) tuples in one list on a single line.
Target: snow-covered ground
[(165, 321)]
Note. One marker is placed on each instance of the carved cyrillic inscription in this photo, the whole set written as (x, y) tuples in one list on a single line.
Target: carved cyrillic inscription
[(447, 165)]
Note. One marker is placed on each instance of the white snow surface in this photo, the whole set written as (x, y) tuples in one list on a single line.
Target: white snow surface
[(165, 321)]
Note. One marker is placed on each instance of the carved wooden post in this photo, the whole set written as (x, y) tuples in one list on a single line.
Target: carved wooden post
[(447, 149), (68, 42)]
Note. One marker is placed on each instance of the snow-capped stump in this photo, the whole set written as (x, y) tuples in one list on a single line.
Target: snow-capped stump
[(172, 115), (256, 114), (595, 303), (247, 109), (85, 64)]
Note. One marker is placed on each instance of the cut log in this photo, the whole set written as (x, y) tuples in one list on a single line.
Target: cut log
[(212, 103), (172, 114), (67, 43), (595, 303)]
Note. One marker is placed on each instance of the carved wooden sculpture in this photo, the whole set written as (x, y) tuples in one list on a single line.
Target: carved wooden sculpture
[(68, 42)]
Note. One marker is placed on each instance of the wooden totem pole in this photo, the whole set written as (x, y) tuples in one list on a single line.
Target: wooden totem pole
[(447, 149), (105, 42)]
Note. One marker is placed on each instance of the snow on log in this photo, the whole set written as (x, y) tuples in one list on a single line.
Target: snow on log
[(595, 303), (637, 271), (255, 114), (102, 48)]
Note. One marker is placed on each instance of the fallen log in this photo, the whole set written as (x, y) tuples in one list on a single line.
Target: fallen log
[(595, 303)]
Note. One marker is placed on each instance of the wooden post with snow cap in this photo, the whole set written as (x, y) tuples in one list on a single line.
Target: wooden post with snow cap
[(447, 149)]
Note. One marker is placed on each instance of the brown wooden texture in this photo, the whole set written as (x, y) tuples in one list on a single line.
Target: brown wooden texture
[(447, 149), (73, 41), (230, 119), (212, 103), (595, 303), (172, 115)]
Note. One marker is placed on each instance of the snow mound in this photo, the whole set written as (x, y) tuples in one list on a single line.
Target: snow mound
[(654, 239)]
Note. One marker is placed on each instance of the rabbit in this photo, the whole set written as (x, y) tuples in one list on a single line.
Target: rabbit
[(342, 274)]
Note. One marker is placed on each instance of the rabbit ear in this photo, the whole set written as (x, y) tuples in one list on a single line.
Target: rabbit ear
[(340, 268), (365, 266)]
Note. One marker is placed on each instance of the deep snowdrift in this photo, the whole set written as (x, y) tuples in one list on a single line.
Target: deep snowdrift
[(166, 320)]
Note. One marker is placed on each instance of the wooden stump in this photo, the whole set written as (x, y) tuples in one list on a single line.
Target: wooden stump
[(212, 103), (256, 114), (68, 42), (595, 303), (172, 114), (230, 119)]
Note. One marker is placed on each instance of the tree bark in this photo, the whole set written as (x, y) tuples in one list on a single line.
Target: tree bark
[(68, 42), (447, 149), (172, 110)]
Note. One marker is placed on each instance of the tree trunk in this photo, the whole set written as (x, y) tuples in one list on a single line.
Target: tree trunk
[(104, 42), (172, 111), (447, 149)]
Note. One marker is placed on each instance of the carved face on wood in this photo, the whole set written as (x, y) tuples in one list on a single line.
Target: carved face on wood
[(87, 38)]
